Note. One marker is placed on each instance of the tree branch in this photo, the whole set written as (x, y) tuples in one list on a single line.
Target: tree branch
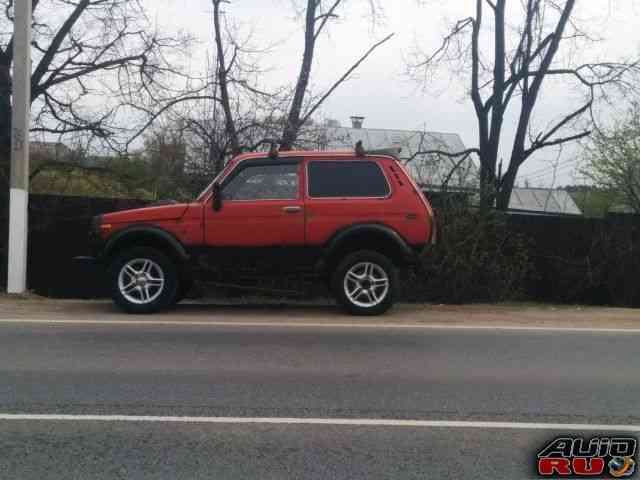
[(62, 33), (162, 110), (455, 168), (541, 140), (464, 153), (325, 17), (558, 141), (344, 77)]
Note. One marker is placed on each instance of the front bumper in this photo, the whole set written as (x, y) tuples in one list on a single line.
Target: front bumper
[(96, 242)]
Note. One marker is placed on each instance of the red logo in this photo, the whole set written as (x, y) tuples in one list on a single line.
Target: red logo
[(567, 457)]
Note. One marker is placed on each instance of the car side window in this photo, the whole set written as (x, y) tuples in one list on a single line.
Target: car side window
[(264, 182), (347, 179)]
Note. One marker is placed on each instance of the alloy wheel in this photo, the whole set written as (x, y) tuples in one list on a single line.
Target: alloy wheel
[(141, 281), (366, 284)]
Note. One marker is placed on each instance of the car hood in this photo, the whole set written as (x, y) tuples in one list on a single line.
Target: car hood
[(148, 214)]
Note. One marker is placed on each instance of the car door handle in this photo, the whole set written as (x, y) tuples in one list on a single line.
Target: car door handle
[(292, 209)]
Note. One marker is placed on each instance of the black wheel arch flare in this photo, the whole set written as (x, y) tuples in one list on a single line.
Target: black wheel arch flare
[(144, 235), (368, 236)]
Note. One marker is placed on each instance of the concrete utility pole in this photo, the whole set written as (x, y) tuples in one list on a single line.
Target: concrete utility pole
[(19, 194)]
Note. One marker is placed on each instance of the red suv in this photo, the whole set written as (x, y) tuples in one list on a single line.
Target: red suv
[(351, 218)]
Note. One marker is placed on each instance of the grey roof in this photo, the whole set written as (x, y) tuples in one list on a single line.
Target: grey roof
[(432, 170), (544, 201), (411, 141), (426, 169)]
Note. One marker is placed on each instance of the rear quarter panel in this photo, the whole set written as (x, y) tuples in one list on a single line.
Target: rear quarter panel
[(402, 211)]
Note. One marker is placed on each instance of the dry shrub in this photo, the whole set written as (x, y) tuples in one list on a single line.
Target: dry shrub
[(477, 259)]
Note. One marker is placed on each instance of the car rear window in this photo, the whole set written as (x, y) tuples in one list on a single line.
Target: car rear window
[(347, 179)]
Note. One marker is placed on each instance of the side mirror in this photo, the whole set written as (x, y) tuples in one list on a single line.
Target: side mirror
[(217, 198)]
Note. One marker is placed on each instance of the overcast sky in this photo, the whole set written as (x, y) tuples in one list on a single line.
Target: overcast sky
[(381, 91)]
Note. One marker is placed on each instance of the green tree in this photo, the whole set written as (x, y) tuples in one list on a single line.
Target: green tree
[(613, 159)]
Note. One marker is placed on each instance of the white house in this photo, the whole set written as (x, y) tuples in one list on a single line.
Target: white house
[(427, 170)]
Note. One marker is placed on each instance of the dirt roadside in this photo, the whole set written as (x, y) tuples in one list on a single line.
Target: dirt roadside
[(260, 311)]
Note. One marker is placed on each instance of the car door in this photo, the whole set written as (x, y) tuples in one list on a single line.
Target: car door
[(262, 211)]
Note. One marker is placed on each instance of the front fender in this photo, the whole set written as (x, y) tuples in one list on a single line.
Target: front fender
[(143, 234)]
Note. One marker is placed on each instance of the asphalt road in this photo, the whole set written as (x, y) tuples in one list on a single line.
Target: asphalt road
[(312, 373)]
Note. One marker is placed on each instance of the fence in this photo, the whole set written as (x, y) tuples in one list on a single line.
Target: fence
[(58, 232), (576, 260), (581, 260)]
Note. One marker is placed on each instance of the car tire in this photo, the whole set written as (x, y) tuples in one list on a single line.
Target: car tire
[(143, 280), (365, 283)]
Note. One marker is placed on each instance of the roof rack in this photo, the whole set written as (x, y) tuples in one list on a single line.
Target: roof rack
[(391, 152)]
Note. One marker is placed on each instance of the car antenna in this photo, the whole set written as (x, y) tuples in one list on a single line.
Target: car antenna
[(360, 151)]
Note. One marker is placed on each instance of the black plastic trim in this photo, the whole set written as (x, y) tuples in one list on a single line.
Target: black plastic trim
[(344, 234), (113, 241)]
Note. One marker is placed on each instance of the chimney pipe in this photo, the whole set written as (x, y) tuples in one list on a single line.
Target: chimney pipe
[(357, 122)]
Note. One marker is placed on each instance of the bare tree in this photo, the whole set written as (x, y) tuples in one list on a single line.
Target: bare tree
[(220, 112), (236, 113), (91, 59), (522, 58), (318, 13), (222, 76)]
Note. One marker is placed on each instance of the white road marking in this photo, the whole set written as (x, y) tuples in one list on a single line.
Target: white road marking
[(363, 326), (355, 422)]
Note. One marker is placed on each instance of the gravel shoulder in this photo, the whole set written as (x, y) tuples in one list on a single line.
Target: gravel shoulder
[(262, 311)]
